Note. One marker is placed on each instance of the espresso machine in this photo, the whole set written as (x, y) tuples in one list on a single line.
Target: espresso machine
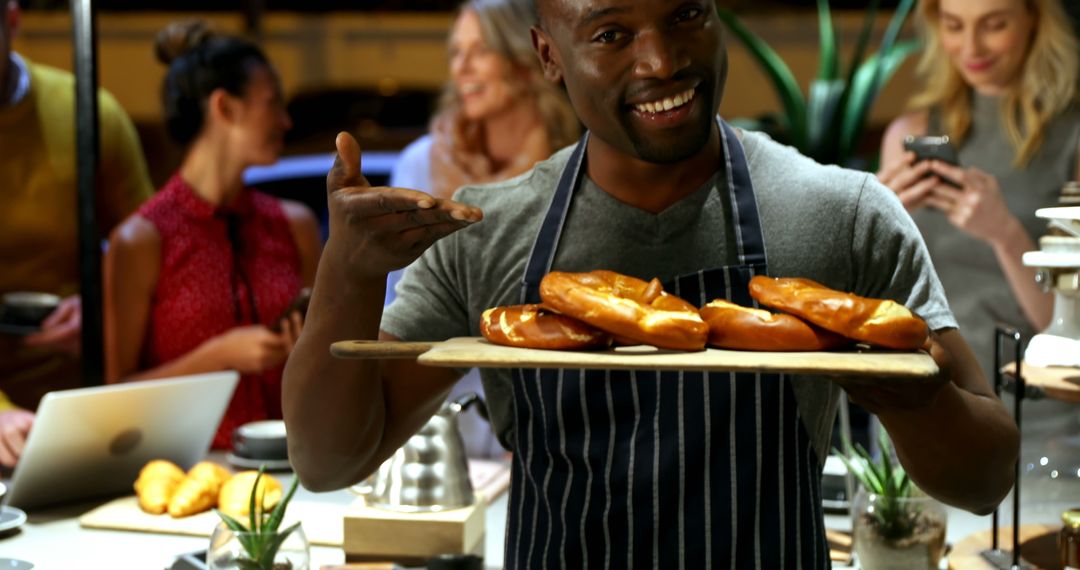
[(1050, 449), (1058, 265)]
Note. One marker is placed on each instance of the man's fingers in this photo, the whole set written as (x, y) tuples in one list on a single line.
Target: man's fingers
[(420, 238), (366, 204), (346, 169)]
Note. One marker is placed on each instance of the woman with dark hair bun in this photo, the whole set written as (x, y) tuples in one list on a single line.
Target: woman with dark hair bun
[(201, 277)]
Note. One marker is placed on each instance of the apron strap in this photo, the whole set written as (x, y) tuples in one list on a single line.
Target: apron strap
[(546, 244), (748, 234)]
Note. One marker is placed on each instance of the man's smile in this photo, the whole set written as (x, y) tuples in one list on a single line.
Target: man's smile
[(666, 103)]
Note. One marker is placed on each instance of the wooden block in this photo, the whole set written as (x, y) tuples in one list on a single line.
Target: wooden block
[(373, 533)]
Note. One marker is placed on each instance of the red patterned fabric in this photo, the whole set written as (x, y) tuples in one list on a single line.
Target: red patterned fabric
[(200, 294)]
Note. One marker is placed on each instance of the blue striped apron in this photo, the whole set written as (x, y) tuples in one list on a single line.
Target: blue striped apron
[(647, 469)]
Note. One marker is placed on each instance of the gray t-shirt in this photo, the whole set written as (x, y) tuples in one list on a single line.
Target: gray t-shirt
[(839, 227)]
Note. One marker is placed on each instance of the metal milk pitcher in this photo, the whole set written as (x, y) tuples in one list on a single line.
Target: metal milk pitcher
[(430, 471)]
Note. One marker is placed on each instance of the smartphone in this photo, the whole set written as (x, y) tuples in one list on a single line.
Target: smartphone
[(299, 303), (932, 148)]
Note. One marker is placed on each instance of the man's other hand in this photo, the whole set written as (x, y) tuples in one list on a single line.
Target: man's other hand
[(380, 229)]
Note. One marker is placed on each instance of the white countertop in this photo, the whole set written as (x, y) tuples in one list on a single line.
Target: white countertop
[(53, 539)]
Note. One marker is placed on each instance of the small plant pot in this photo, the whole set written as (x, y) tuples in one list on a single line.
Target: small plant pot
[(901, 534), (234, 551)]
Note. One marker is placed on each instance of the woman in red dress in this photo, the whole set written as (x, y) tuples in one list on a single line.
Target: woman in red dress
[(197, 280)]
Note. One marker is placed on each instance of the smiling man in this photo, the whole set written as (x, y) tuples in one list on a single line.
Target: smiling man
[(637, 469)]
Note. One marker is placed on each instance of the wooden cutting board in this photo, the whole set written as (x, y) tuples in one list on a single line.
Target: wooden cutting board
[(322, 522), (467, 352)]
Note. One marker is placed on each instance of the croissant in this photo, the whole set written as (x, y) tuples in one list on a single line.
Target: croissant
[(235, 496), (199, 490), (157, 481)]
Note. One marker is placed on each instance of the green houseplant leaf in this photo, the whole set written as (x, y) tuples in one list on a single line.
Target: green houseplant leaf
[(888, 481), (876, 71), (787, 89), (828, 121), (261, 539)]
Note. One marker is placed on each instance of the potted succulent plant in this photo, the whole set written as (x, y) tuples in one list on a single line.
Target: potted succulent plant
[(259, 545), (895, 525)]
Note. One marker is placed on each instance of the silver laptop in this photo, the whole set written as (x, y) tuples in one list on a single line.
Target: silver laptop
[(91, 442)]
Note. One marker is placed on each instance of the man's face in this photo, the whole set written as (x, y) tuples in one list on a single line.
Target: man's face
[(646, 77)]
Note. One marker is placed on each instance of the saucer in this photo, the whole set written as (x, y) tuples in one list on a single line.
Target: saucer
[(11, 518), (249, 463)]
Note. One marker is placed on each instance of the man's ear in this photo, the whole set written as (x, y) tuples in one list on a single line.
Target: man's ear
[(549, 56)]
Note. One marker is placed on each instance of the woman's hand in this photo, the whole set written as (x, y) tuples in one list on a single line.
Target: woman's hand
[(251, 349), (912, 180), (977, 207), (290, 330), (61, 331), (15, 426)]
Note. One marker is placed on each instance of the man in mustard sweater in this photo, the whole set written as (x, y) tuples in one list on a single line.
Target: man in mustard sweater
[(39, 241)]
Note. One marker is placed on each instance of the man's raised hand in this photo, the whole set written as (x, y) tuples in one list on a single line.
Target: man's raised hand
[(380, 229)]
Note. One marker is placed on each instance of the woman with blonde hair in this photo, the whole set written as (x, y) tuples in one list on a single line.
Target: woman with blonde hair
[(1001, 82), (497, 118)]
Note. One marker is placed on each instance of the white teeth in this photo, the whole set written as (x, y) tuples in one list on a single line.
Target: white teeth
[(667, 103)]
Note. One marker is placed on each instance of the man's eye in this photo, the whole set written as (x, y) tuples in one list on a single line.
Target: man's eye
[(607, 37), (688, 14)]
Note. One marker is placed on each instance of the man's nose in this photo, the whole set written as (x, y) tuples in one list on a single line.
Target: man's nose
[(659, 55)]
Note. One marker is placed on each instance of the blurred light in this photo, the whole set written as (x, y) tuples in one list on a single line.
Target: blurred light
[(1054, 474), (388, 87), (1044, 461)]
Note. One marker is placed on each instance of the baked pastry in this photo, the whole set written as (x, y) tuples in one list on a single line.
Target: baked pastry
[(199, 490), (157, 481), (626, 307), (533, 326), (743, 328), (235, 497), (879, 322)]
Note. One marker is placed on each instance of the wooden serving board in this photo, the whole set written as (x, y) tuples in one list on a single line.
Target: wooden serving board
[(1058, 382), (467, 352)]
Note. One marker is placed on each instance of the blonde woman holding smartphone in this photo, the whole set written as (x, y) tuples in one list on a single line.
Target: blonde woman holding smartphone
[(1001, 82)]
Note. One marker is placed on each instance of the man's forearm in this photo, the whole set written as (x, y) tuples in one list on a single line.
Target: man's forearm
[(334, 408), (961, 448)]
